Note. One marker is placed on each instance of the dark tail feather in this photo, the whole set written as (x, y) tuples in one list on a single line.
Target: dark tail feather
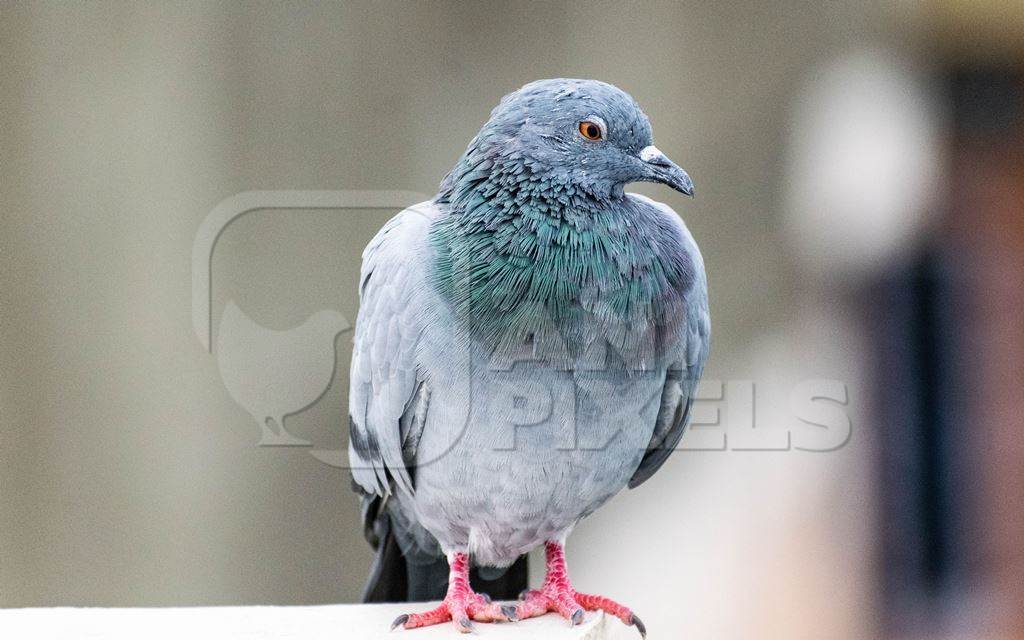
[(394, 579), (387, 581), (506, 586)]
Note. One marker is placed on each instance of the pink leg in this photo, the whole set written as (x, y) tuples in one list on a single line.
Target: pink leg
[(460, 604), (558, 595)]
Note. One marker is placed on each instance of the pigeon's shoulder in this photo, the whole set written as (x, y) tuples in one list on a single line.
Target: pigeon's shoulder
[(673, 240), (697, 292), (672, 221), (401, 239)]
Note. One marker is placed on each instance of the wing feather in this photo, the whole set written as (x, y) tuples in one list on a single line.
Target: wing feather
[(690, 353), (387, 396)]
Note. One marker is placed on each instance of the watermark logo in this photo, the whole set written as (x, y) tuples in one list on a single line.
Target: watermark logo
[(273, 374), (277, 373)]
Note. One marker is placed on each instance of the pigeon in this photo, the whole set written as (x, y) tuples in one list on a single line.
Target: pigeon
[(528, 344)]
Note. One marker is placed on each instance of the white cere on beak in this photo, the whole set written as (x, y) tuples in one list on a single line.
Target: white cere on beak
[(650, 153)]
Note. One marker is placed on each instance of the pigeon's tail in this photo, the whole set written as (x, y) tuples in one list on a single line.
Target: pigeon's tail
[(393, 578), (403, 571)]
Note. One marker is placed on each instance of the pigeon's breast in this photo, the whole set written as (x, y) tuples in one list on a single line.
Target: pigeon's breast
[(542, 406), (614, 272), (513, 456)]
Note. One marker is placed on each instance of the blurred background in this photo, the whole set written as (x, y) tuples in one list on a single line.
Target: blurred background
[(860, 171)]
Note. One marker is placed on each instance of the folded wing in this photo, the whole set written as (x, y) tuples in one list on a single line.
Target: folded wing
[(688, 356), (387, 397)]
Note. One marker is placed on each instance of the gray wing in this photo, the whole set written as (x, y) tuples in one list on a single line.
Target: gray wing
[(690, 353), (387, 396)]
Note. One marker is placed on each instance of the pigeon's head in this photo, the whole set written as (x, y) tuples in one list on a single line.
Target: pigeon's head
[(584, 133)]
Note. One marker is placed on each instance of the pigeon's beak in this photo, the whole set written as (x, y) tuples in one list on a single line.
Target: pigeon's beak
[(661, 169)]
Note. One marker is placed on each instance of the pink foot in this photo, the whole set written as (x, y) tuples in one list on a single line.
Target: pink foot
[(461, 604), (557, 594)]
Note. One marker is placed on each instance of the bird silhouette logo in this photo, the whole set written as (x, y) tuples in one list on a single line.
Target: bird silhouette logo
[(273, 374), (270, 373)]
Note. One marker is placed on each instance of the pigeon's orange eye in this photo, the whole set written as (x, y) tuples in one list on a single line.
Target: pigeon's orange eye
[(590, 130)]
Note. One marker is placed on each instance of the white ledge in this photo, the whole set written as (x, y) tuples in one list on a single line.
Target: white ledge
[(328, 622)]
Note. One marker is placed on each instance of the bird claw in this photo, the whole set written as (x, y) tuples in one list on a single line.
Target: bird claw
[(573, 605), (636, 622), (461, 605), (510, 612), (400, 620)]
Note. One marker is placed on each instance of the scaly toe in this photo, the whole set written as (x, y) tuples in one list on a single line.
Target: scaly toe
[(566, 606), (534, 603), (486, 612)]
